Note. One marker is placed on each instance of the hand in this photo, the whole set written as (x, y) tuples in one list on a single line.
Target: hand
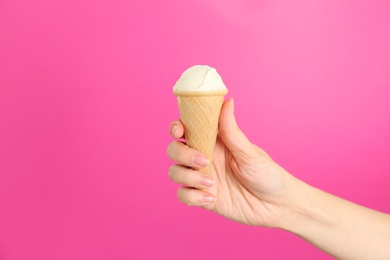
[(245, 184)]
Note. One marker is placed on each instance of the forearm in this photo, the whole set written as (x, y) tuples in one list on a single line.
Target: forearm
[(340, 228)]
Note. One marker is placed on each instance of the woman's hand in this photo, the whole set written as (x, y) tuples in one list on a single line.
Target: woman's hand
[(245, 184)]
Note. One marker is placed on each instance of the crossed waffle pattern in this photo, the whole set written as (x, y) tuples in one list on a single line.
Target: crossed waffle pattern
[(200, 115)]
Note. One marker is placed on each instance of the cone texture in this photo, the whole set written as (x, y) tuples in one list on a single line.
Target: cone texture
[(200, 116)]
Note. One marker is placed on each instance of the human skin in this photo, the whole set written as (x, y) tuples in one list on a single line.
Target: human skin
[(247, 186)]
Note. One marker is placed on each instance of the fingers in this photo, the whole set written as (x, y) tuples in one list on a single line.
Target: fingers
[(187, 156), (192, 158), (189, 177), (194, 197), (176, 129)]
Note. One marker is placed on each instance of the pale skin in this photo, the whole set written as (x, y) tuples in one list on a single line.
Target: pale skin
[(247, 186)]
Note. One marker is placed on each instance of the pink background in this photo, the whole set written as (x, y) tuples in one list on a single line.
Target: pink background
[(85, 104)]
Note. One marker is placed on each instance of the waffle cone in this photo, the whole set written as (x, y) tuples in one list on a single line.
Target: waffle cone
[(199, 112)]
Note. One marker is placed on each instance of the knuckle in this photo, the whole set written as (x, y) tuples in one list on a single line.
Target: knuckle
[(185, 196), (171, 171), (189, 202), (173, 150), (180, 195), (181, 149), (169, 148)]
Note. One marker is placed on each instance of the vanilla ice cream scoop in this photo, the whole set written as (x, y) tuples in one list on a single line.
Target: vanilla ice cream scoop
[(199, 78)]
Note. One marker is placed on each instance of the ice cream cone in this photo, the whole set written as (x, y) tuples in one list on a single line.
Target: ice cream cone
[(199, 112)]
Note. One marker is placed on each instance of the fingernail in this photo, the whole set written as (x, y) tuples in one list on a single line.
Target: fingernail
[(207, 181), (209, 198), (175, 128), (200, 160)]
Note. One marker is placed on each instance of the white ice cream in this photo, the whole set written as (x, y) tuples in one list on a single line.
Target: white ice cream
[(200, 78)]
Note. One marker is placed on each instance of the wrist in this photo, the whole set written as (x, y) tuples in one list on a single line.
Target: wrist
[(290, 209), (302, 207)]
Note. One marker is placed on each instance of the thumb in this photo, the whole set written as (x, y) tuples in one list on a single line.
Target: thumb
[(231, 134)]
